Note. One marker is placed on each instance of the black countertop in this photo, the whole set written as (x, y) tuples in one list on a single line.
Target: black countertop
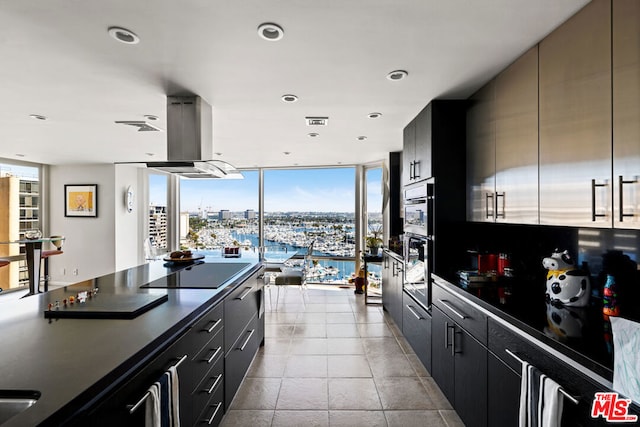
[(72, 361), (581, 334)]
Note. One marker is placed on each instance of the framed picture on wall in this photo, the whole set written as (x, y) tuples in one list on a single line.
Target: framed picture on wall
[(81, 200)]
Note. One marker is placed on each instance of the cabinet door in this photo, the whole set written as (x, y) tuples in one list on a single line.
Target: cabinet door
[(516, 141), (575, 120), (423, 144), (626, 114), (470, 383), (481, 162), (503, 393), (442, 359), (408, 152), (392, 291)]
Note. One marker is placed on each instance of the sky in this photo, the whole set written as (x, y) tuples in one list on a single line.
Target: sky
[(303, 190)]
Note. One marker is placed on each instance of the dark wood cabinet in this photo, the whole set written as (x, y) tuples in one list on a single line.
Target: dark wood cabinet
[(244, 332), (503, 393), (392, 277), (459, 367), (459, 355), (434, 141), (416, 328)]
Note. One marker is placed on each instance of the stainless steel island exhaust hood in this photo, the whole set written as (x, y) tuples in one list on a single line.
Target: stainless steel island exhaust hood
[(190, 141)]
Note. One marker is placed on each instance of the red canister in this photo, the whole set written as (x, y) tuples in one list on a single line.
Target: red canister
[(487, 263), (503, 262)]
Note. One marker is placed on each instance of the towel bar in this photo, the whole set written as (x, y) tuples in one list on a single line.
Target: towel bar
[(133, 408), (561, 390)]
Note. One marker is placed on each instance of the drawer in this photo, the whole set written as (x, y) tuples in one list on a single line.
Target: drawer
[(196, 367), (203, 331), (237, 361), (416, 328), (213, 410), (462, 312), (239, 307), (212, 386)]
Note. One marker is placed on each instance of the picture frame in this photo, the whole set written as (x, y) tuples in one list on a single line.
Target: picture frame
[(81, 200)]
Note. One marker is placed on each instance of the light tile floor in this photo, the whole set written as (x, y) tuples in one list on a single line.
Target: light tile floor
[(331, 360)]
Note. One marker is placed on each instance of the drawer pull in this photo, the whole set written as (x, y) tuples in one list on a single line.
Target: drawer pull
[(244, 294), (213, 356), (561, 390), (215, 384), (244, 344), (209, 421), (133, 408), (621, 183), (215, 324), (446, 304), (414, 312)]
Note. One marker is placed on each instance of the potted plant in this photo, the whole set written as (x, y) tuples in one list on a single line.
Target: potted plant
[(373, 241)]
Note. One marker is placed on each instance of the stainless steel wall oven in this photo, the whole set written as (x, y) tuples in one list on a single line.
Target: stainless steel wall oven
[(418, 241)]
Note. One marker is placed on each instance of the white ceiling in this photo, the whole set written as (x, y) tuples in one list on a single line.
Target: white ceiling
[(57, 60)]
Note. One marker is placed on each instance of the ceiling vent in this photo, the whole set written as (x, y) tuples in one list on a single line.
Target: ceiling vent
[(317, 121), (140, 124)]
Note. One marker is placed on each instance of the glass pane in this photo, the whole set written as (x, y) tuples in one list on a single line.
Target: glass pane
[(374, 231), (219, 213), (19, 187), (304, 205), (158, 215)]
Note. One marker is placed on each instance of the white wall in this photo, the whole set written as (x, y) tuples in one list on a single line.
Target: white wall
[(102, 245)]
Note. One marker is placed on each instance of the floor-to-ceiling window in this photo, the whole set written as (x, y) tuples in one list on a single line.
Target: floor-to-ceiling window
[(20, 210), (218, 213), (159, 216)]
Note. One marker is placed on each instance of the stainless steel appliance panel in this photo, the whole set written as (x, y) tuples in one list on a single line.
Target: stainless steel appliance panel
[(418, 208), (626, 114), (516, 141), (417, 268), (575, 120), (481, 162)]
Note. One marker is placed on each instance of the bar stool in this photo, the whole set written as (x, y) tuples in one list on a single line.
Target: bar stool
[(45, 256)]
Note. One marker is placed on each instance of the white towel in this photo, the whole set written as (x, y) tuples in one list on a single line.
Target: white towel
[(174, 387), (540, 399), (550, 403), (152, 408)]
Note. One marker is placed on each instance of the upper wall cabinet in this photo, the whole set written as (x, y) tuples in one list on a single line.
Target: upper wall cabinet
[(434, 141), (502, 146), (626, 113), (575, 120)]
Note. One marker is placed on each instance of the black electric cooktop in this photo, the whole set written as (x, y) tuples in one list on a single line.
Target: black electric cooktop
[(200, 276)]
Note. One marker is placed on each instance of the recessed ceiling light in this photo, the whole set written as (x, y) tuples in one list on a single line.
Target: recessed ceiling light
[(374, 115), (123, 35), (218, 154), (150, 154), (19, 155), (313, 135), (362, 138), (397, 75), (38, 117), (286, 153), (289, 98), (150, 117), (270, 31)]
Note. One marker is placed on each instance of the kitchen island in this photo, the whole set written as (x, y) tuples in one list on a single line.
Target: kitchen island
[(81, 367)]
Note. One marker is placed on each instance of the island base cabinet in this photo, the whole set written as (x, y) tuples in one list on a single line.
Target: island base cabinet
[(416, 328), (459, 367)]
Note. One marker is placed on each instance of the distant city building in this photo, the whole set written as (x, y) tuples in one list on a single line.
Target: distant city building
[(250, 214), (224, 214), (158, 226)]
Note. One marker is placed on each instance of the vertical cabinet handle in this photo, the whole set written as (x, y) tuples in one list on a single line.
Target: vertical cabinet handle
[(416, 169), (594, 215), (497, 211), (487, 204), (621, 182)]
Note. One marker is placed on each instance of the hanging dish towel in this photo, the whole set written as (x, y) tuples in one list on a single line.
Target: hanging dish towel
[(152, 407), (540, 399), (174, 391)]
